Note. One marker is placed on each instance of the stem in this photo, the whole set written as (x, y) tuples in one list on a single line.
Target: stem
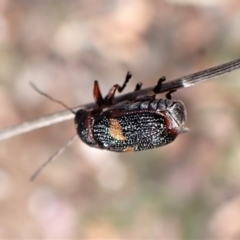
[(183, 82)]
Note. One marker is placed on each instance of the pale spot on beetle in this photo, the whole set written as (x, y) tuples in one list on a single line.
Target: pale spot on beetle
[(129, 149), (115, 130)]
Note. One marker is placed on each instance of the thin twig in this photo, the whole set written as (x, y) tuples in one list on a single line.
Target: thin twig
[(182, 82)]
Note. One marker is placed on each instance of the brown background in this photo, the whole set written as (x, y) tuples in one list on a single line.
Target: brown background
[(187, 190)]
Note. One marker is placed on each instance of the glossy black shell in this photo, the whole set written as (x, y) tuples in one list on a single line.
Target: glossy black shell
[(133, 126)]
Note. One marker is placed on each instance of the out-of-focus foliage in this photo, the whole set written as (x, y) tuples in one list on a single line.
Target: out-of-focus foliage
[(187, 190)]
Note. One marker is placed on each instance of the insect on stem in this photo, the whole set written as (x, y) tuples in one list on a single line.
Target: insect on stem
[(182, 82)]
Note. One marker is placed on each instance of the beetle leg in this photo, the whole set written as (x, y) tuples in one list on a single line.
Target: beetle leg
[(109, 98), (151, 95), (127, 78), (157, 88), (168, 95), (159, 84), (97, 94), (138, 87)]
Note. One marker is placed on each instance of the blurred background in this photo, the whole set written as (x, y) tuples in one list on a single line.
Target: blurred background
[(189, 189)]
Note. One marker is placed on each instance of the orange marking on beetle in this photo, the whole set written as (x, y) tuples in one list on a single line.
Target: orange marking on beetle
[(116, 130), (129, 149)]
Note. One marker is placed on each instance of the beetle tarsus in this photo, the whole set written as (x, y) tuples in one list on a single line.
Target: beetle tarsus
[(109, 98), (138, 87), (158, 87), (169, 94)]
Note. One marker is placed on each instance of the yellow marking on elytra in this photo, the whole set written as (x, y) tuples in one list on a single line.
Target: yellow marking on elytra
[(115, 130), (129, 149)]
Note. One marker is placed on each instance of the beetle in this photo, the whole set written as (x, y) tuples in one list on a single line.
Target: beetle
[(142, 124), (145, 123)]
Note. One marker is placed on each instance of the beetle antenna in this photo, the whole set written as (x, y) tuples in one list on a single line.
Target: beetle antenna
[(52, 158), (50, 98)]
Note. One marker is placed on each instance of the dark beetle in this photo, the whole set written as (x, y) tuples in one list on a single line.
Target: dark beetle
[(131, 126), (128, 126)]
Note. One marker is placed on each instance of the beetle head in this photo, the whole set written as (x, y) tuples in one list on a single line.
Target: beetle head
[(179, 115)]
